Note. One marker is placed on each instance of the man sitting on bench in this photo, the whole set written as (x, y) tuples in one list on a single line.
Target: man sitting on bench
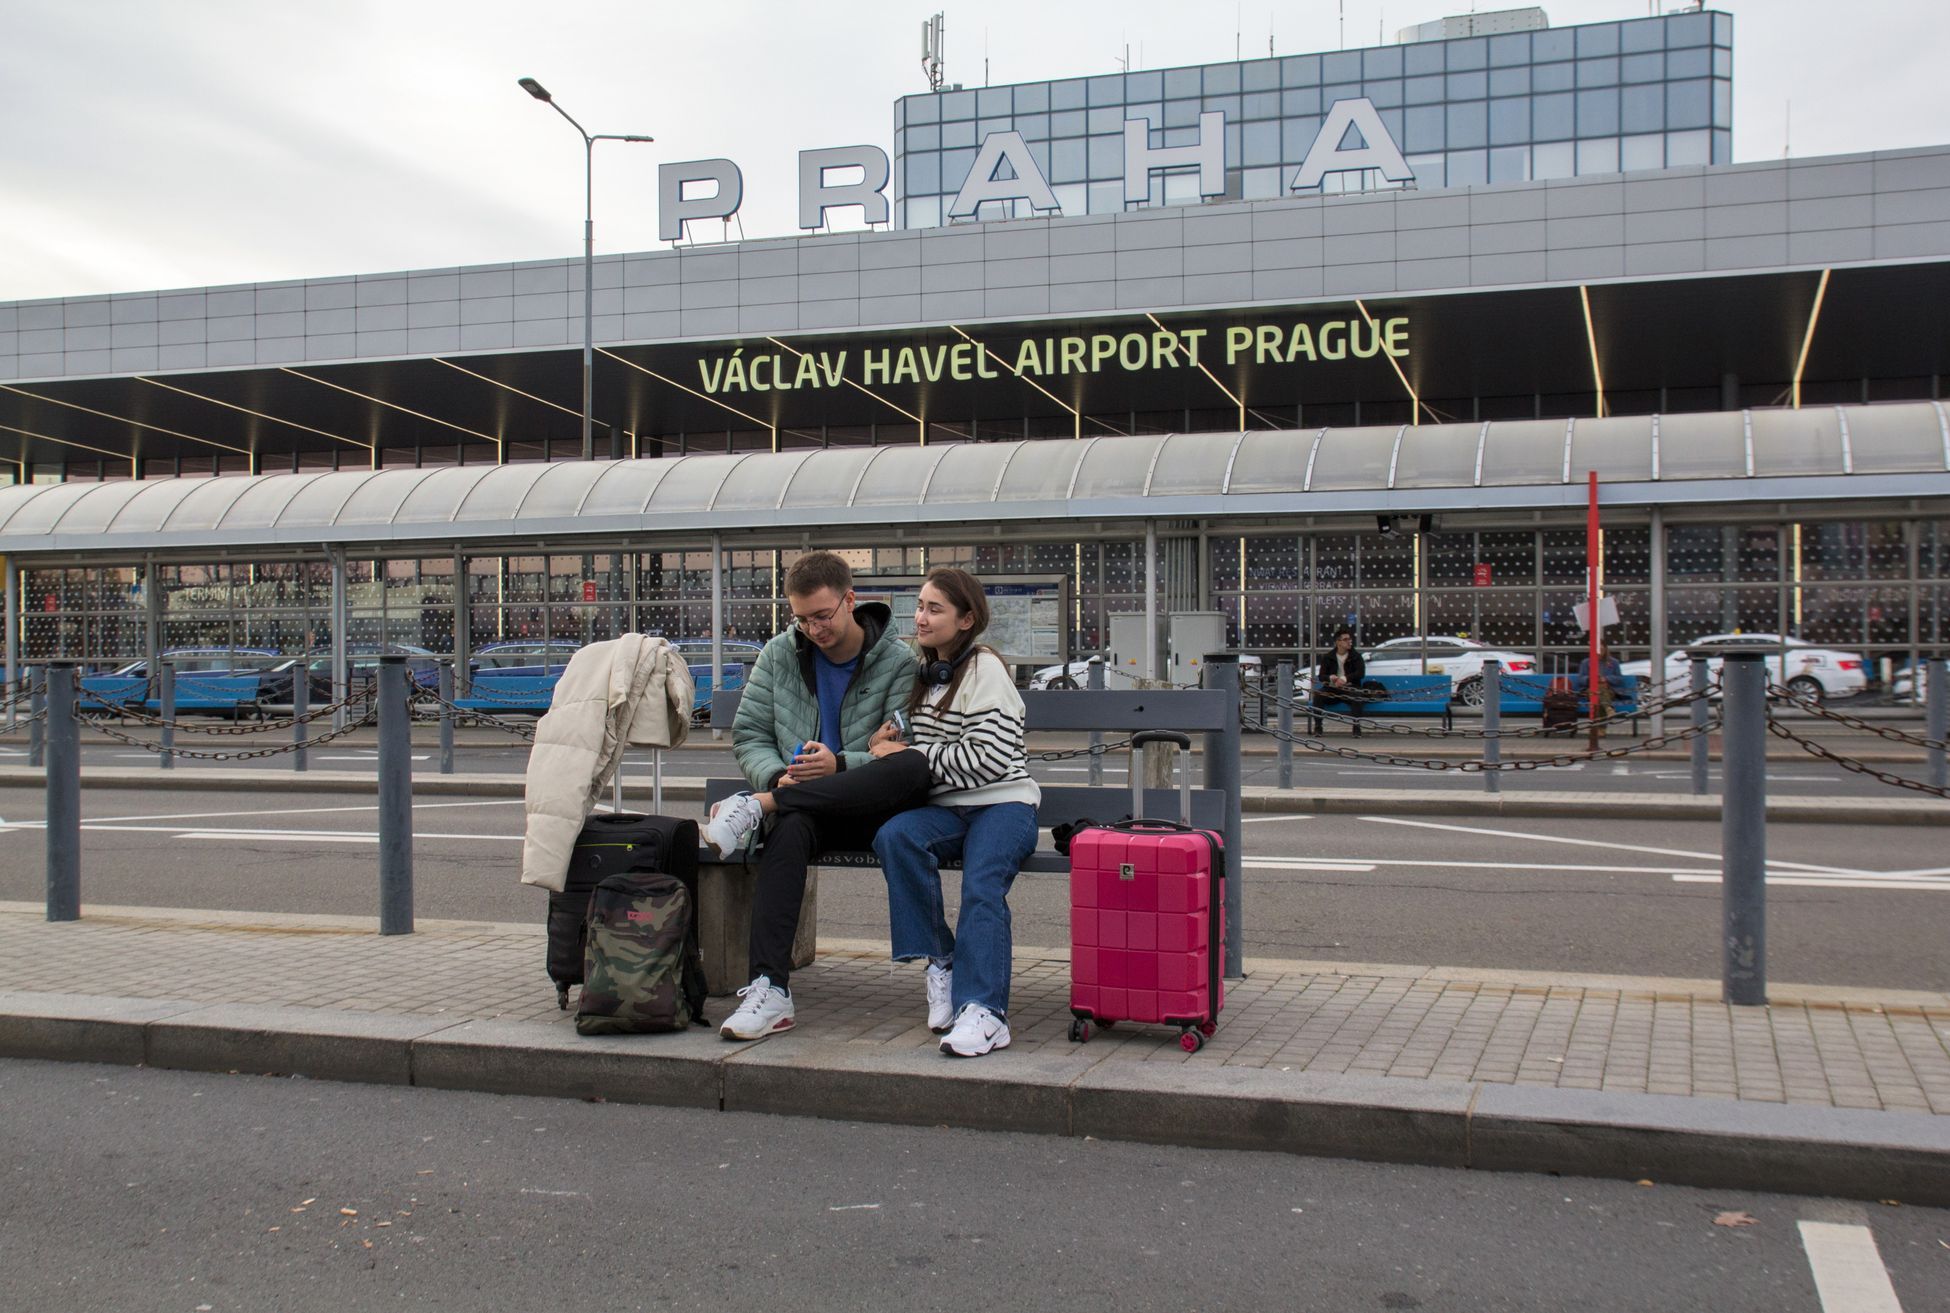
[(1337, 681)]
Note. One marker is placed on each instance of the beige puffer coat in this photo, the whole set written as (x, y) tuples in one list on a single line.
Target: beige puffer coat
[(630, 692)]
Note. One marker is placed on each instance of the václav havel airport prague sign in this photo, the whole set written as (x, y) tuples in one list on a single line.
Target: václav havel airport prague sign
[(682, 193), (1287, 342)]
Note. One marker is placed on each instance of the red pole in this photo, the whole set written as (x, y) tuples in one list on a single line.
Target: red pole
[(1593, 553)]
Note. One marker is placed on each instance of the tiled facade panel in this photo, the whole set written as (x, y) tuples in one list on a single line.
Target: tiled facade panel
[(1731, 219)]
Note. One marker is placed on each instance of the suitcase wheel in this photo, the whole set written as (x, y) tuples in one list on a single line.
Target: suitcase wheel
[(1079, 1031), (1191, 1041), (1208, 1028)]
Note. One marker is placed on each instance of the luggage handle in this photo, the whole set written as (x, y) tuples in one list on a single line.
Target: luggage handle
[(1183, 742)]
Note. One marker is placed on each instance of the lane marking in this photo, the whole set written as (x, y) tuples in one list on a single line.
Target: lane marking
[(301, 811), (1847, 1267), (1263, 820), (329, 836), (1598, 843), (1827, 882)]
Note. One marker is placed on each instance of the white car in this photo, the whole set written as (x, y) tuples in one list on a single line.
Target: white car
[(1079, 672), (1809, 671), (1459, 658)]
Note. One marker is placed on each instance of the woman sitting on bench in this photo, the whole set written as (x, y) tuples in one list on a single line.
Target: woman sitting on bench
[(966, 719), (1337, 681)]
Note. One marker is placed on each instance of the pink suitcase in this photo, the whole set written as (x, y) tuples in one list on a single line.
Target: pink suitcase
[(1147, 917)]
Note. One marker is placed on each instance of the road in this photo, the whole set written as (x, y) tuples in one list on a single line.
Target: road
[(147, 1189), (1788, 776), (1846, 906)]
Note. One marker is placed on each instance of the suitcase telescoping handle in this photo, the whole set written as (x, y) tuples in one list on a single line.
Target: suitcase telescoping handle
[(1183, 742)]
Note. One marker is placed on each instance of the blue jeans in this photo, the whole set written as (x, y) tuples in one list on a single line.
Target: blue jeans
[(991, 842)]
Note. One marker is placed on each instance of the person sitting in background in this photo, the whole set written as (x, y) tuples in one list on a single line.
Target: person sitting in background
[(1337, 680), (1615, 684)]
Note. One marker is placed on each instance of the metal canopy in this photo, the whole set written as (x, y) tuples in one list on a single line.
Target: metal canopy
[(1728, 457)]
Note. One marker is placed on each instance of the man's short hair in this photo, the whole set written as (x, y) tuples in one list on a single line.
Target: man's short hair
[(817, 570)]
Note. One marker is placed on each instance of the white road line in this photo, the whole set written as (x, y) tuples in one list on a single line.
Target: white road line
[(1828, 882), (1263, 820), (328, 836), (1307, 864), (1572, 868), (1847, 1267), (302, 811), (1596, 843)]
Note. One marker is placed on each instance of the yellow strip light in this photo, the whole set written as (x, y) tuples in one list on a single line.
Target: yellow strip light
[(1808, 338), (1209, 374), (80, 446), (509, 387), (122, 419), (392, 405), (703, 396), (246, 410), (1415, 406), (1591, 339), (1075, 414), (857, 387)]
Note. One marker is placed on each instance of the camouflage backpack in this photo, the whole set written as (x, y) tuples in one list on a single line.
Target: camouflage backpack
[(641, 968)]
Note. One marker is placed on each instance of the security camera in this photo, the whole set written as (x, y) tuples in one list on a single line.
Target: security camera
[(1391, 525)]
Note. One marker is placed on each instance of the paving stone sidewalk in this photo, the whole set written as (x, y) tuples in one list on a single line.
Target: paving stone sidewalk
[(1812, 1046)]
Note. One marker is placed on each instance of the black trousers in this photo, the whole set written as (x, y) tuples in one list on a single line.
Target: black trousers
[(839, 813)]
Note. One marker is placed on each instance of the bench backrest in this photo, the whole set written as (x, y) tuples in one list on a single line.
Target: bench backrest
[(1525, 693)]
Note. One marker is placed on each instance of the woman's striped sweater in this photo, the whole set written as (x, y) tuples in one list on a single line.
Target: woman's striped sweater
[(974, 745)]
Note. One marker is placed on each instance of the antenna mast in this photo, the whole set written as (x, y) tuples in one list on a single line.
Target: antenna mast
[(931, 50)]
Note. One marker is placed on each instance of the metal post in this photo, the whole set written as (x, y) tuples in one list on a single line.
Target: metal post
[(616, 785), (1222, 772), (656, 781), (446, 718), (63, 796), (300, 708), (1699, 721), (588, 292), (1283, 681), (1655, 668), (717, 622), (1150, 666), (1939, 716), (395, 801), (13, 643), (37, 720), (339, 617), (1095, 678), (1743, 830), (1493, 724), (168, 691)]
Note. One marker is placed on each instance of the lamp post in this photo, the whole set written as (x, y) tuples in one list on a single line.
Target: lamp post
[(589, 140)]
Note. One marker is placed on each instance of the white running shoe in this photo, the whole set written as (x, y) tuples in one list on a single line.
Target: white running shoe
[(941, 998), (977, 1030), (733, 823), (765, 1011)]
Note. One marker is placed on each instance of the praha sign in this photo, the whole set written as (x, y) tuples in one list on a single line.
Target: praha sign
[(681, 196), (1283, 343)]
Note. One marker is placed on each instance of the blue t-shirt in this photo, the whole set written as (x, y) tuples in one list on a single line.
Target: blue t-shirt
[(832, 678)]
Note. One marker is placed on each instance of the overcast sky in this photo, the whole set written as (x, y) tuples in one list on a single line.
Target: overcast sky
[(146, 145)]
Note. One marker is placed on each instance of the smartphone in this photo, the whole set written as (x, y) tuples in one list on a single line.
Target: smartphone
[(900, 724)]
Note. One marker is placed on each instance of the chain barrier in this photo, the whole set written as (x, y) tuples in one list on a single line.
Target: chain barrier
[(1825, 753), (135, 711), (247, 754), (1067, 754), (1814, 708), (1476, 766), (476, 691), (1301, 708), (421, 698)]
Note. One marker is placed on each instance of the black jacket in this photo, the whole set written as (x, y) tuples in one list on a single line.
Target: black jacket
[(1356, 671)]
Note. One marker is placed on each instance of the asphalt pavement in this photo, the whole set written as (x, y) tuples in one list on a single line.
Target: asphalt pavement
[(147, 1189)]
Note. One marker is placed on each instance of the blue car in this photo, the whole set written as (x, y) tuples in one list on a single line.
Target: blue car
[(226, 679), (520, 674)]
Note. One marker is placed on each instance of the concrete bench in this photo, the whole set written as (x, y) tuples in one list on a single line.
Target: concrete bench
[(726, 885), (1401, 695)]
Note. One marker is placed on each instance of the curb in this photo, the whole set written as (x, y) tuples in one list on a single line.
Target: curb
[(1485, 1127)]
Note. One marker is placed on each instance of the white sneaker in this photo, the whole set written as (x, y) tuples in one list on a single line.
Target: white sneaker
[(765, 1011), (941, 998), (977, 1030), (733, 822)]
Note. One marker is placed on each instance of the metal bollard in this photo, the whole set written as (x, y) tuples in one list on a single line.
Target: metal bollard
[(616, 784), (300, 707), (1699, 720), (1938, 714), (1222, 772), (63, 833), (1743, 829), (36, 710), (656, 781), (1283, 680), (1095, 680), (446, 718), (395, 800), (1493, 724), (167, 757)]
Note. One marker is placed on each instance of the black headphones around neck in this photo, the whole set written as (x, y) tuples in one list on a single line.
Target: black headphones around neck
[(941, 673)]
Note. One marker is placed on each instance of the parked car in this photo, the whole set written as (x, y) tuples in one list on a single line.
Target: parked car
[(523, 656), (207, 679), (1076, 674), (739, 656), (362, 666), (1459, 658), (1810, 672)]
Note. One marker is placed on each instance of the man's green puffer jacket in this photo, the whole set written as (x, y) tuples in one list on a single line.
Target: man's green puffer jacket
[(779, 706)]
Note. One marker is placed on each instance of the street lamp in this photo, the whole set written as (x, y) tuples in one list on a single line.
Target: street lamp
[(539, 92)]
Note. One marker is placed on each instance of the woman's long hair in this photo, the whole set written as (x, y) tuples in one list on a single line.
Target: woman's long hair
[(962, 591)]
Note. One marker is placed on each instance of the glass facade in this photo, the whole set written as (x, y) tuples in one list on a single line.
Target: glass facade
[(1648, 93)]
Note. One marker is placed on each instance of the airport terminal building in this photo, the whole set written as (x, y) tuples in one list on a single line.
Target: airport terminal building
[(1323, 339)]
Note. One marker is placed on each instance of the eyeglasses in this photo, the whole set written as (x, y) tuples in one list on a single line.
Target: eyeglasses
[(820, 619)]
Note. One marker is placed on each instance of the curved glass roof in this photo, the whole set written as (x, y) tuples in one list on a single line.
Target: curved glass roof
[(1202, 474)]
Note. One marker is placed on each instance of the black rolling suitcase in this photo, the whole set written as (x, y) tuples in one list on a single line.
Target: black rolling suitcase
[(1562, 709), (611, 843)]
